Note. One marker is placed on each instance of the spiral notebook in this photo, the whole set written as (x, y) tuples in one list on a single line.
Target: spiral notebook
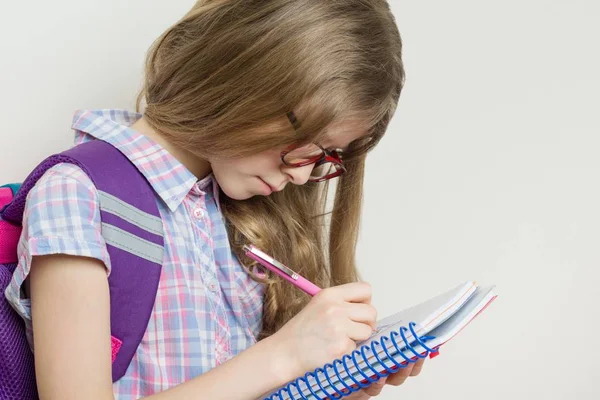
[(400, 339)]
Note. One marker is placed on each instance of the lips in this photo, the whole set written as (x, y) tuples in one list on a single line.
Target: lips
[(267, 189), (271, 187)]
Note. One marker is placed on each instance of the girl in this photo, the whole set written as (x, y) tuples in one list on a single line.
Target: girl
[(251, 107)]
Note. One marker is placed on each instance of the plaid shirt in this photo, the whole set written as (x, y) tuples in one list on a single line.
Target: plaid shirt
[(207, 308)]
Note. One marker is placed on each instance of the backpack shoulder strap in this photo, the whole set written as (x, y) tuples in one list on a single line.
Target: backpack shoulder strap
[(133, 231)]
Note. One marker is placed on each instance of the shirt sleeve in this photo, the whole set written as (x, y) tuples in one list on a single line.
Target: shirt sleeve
[(62, 216)]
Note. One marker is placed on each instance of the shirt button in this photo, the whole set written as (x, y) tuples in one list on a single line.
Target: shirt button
[(212, 287), (198, 213)]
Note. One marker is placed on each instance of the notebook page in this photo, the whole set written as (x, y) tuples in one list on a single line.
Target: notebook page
[(443, 333), (444, 306), (427, 315)]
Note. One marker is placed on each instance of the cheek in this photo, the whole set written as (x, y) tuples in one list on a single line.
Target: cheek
[(237, 178), (231, 181), (259, 164), (249, 166), (227, 171)]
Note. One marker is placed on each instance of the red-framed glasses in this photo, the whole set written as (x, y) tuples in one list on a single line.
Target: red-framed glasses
[(328, 163)]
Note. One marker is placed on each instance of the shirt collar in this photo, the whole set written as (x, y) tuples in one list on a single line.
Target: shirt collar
[(171, 180)]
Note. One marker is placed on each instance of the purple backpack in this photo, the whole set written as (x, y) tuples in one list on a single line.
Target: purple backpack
[(133, 231)]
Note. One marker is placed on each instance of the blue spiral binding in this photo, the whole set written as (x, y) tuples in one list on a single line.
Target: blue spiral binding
[(330, 370)]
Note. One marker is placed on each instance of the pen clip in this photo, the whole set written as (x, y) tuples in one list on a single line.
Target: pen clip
[(265, 257)]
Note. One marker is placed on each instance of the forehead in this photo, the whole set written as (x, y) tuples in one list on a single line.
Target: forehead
[(340, 134)]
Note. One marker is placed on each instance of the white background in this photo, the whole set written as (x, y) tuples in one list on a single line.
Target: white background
[(489, 171)]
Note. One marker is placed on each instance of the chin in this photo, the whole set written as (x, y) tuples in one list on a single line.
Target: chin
[(237, 194)]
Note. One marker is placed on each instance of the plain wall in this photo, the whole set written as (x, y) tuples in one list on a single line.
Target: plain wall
[(489, 171)]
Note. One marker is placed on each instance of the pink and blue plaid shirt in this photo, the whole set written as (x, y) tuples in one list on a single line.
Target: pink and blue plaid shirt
[(207, 307)]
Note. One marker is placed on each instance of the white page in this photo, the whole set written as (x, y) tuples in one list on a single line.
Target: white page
[(443, 333), (426, 315)]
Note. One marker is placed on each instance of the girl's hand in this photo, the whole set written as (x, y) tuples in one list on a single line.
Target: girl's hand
[(328, 327), (395, 379)]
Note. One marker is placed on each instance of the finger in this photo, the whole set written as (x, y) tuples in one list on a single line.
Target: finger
[(376, 388), (348, 346), (363, 313), (399, 377), (358, 396), (417, 367), (355, 292), (359, 331)]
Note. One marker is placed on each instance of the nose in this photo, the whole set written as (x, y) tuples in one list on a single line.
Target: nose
[(298, 175)]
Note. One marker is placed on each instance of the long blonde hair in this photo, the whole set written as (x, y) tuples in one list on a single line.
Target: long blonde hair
[(220, 82)]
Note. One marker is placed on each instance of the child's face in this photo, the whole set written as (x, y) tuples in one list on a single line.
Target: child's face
[(264, 173)]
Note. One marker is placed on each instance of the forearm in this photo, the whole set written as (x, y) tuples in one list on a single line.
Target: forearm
[(253, 373)]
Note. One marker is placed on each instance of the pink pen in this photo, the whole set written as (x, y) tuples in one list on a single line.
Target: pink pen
[(273, 265)]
